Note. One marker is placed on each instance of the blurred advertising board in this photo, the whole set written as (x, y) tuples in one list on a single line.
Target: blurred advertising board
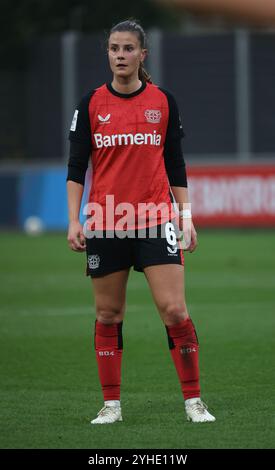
[(237, 196)]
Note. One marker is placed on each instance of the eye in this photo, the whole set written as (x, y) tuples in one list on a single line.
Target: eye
[(113, 48), (129, 48)]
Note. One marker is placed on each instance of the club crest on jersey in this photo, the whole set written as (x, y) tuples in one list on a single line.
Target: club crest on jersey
[(104, 120), (152, 115), (93, 261)]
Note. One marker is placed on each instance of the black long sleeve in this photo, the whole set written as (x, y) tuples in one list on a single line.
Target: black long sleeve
[(78, 162), (173, 154), (80, 142)]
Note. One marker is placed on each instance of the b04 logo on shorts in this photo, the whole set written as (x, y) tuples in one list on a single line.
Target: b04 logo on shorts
[(93, 261), (153, 115)]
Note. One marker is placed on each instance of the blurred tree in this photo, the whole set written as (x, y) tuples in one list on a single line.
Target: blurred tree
[(26, 20)]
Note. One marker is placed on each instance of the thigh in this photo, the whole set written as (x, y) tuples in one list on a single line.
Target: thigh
[(110, 295), (167, 286)]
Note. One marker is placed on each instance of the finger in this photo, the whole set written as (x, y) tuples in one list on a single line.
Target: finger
[(193, 246), (193, 243), (79, 247), (82, 240), (186, 239), (75, 245)]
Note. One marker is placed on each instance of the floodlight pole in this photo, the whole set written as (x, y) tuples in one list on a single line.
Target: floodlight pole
[(154, 60), (242, 82), (69, 85)]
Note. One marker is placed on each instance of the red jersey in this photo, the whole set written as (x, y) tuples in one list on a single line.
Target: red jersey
[(127, 135)]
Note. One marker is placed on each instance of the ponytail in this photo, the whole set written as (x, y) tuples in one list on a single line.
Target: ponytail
[(143, 75)]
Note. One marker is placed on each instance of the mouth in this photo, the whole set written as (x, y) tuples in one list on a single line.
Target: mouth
[(121, 66)]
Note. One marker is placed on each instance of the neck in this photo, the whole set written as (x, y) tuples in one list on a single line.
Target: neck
[(126, 85)]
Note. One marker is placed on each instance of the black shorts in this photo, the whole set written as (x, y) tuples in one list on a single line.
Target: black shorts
[(139, 249)]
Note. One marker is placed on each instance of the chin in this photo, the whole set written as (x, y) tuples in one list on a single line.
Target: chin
[(123, 73)]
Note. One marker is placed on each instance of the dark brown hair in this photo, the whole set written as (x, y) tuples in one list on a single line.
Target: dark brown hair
[(134, 27)]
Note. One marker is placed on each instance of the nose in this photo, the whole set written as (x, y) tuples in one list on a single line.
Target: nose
[(120, 54)]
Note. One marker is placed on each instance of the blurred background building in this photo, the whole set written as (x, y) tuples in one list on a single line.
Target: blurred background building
[(221, 75)]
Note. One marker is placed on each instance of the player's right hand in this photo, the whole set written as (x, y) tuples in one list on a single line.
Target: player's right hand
[(76, 238)]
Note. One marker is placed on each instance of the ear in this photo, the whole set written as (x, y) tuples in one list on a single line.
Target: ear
[(143, 54)]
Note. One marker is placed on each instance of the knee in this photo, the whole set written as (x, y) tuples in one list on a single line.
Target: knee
[(109, 315), (175, 312)]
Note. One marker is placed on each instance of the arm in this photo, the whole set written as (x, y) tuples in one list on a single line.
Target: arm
[(77, 166), (176, 172), (80, 150), (185, 223), (75, 237)]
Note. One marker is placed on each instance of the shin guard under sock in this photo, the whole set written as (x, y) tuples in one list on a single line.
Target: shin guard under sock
[(184, 348), (109, 347)]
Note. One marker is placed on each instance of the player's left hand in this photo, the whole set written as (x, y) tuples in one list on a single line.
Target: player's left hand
[(194, 239), (189, 235)]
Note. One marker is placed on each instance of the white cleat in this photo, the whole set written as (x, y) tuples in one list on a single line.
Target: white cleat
[(196, 411), (107, 415)]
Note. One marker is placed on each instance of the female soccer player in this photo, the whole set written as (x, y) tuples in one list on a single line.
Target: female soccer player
[(131, 130)]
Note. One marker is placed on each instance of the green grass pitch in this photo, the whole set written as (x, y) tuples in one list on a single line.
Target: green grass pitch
[(49, 382)]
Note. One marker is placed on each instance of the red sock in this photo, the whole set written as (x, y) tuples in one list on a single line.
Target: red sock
[(109, 346), (184, 348)]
